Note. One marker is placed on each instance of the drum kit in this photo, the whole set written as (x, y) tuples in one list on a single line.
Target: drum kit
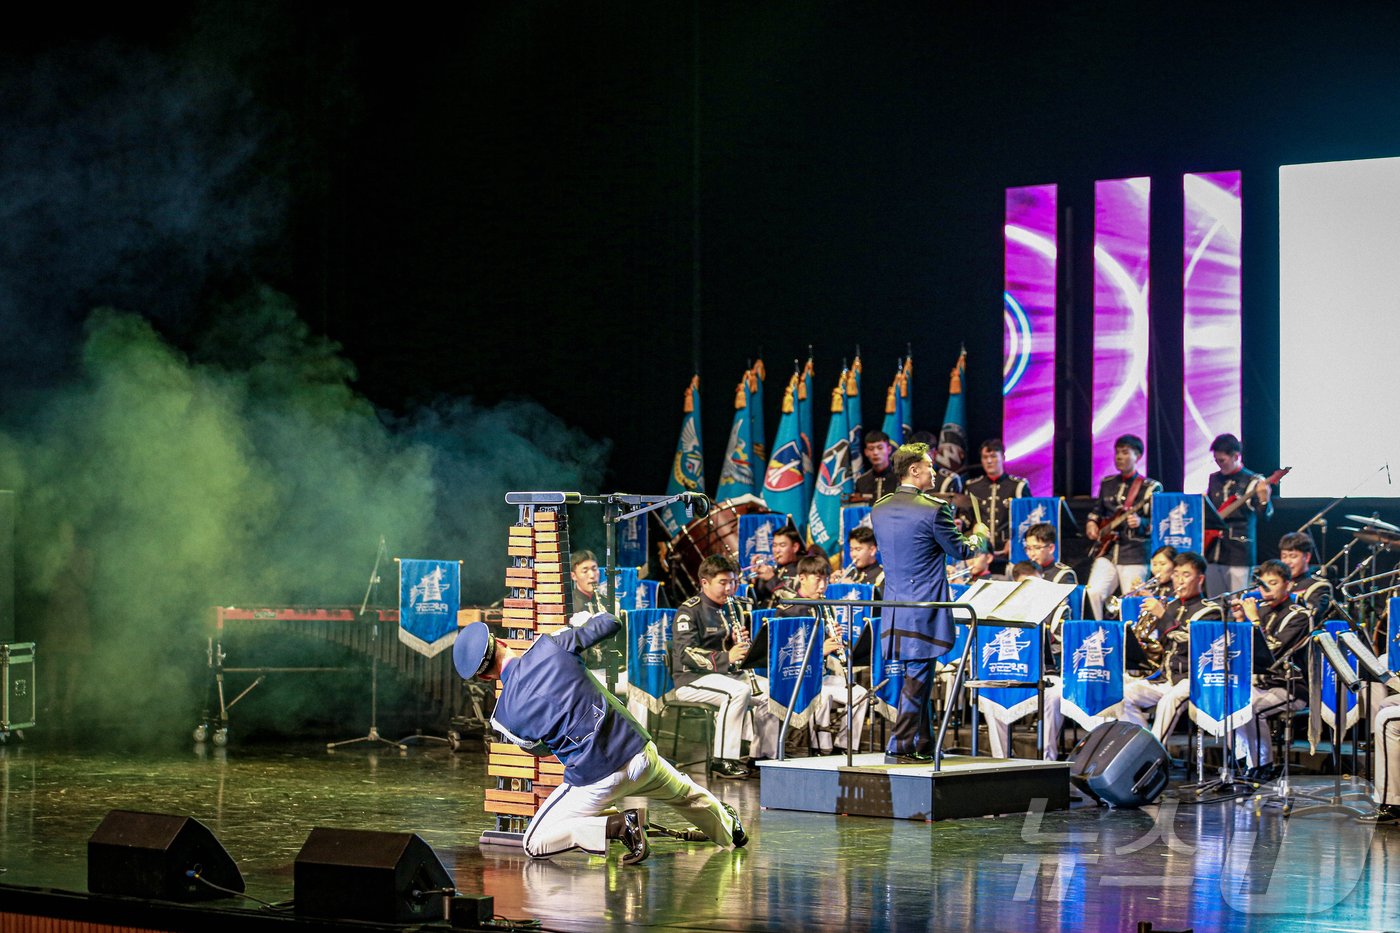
[(1373, 531), (715, 533)]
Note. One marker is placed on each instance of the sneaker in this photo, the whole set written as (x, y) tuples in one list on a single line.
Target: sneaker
[(1386, 814), (634, 836), (740, 837)]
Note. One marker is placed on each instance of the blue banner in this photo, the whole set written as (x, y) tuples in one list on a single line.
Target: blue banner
[(1130, 608), (1210, 694), (790, 682), (1093, 671), (1392, 635), (1033, 511), (648, 594), (1076, 602), (1008, 653), (851, 619), (688, 465), (1178, 519), (833, 478), (756, 537), (649, 656), (632, 542), (1326, 691), (853, 517), (760, 616), (960, 630), (784, 484), (429, 596)]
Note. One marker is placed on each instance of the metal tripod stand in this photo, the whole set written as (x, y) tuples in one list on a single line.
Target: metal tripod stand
[(373, 735)]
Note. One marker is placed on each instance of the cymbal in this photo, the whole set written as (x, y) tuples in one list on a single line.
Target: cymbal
[(1375, 523), (1376, 536)]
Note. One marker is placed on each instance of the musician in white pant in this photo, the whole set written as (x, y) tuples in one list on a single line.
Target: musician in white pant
[(1386, 793)]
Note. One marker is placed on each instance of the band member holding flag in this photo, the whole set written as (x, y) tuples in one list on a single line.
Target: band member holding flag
[(917, 537)]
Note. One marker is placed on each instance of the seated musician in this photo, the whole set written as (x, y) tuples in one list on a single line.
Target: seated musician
[(1285, 623), (704, 652), (1125, 497), (1039, 543), (1159, 584), (583, 570), (587, 602), (812, 576), (782, 572), (998, 732), (864, 567), (1168, 624), (1311, 588)]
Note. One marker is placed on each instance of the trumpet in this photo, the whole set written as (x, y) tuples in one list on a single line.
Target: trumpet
[(1114, 603), (739, 617)]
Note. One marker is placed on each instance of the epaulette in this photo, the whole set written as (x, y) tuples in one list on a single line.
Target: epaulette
[(690, 603), (885, 498), (928, 494)]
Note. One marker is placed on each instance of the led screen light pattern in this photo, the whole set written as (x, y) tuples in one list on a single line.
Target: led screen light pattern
[(1339, 342), (1121, 278), (1028, 345), (1212, 373)]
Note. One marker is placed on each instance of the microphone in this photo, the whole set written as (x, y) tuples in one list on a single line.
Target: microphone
[(543, 498)]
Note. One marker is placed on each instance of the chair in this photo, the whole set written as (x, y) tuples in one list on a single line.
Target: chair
[(691, 712)]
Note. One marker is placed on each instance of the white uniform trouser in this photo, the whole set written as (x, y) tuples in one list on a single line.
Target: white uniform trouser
[(1106, 578), (732, 698), (1386, 729), (571, 817), (1252, 739), (1222, 578), (1166, 700), (833, 705), (999, 733)]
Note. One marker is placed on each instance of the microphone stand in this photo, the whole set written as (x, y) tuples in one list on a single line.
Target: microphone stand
[(1281, 792), (372, 589)]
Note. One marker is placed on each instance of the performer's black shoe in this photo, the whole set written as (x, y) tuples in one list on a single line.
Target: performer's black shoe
[(633, 834), (1387, 814), (737, 834), (729, 769), (911, 758)]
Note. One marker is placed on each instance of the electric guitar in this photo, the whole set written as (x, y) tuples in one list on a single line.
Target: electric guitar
[(1236, 502), (1108, 534)]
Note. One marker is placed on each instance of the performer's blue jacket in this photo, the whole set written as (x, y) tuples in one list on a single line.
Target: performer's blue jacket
[(917, 536), (549, 702)]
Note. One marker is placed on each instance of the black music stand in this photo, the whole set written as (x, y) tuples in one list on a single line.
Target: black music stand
[(1345, 679), (372, 591)]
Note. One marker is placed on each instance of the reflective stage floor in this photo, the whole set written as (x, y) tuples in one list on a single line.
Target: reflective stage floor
[(1208, 867)]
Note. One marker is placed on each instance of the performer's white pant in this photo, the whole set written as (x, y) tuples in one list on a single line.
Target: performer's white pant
[(1386, 729), (572, 816), (1166, 700), (833, 703), (1222, 578), (733, 698), (1252, 739), (999, 733), (1106, 578)]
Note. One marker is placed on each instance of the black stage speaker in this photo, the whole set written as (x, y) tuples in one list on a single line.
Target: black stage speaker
[(1120, 764), (357, 874), (153, 855)]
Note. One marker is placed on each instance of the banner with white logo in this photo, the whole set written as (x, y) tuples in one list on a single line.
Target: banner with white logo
[(1008, 653), (429, 596), (886, 675), (759, 617), (1093, 671), (790, 681), (853, 517), (632, 542), (1212, 650), (649, 657), (756, 534), (851, 619), (1178, 519), (1034, 510), (1392, 636)]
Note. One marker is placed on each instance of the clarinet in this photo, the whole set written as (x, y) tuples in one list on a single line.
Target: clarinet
[(838, 663), (740, 636)]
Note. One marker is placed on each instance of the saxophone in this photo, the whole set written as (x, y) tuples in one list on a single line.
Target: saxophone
[(1143, 630), (739, 618)]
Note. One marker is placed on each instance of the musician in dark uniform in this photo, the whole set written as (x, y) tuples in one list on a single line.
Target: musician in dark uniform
[(1309, 587), (990, 497), (707, 642), (1126, 495), (587, 602), (865, 567), (1232, 557), (583, 570), (945, 480), (550, 703), (1285, 622), (1040, 548), (879, 477), (917, 537), (1168, 690), (788, 549)]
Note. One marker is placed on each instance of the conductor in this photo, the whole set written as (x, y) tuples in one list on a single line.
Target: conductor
[(917, 537)]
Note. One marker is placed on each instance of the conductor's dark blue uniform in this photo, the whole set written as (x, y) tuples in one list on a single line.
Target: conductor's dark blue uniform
[(917, 537)]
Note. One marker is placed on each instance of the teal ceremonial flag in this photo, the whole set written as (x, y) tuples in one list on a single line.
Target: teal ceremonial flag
[(688, 465), (738, 477), (952, 439), (833, 477), (806, 405), (757, 433), (897, 409), (784, 488), (855, 433)]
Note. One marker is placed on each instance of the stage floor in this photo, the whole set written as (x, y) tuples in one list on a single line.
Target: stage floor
[(1212, 866)]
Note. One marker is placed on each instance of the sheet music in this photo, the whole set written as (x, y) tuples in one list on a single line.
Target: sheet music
[(985, 596), (1031, 601)]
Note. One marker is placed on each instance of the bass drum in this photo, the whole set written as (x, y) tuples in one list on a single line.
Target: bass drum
[(715, 533)]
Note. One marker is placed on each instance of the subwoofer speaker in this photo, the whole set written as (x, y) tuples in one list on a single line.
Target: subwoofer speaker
[(1120, 764), (355, 874), (157, 855)]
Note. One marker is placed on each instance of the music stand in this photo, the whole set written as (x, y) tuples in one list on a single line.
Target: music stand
[(1262, 657), (372, 591), (1345, 679)]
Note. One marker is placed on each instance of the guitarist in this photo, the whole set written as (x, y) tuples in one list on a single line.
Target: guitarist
[(1245, 496), (1119, 525)]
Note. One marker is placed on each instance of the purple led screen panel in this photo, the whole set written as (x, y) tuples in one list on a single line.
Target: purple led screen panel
[(1121, 278), (1028, 344), (1210, 318)]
